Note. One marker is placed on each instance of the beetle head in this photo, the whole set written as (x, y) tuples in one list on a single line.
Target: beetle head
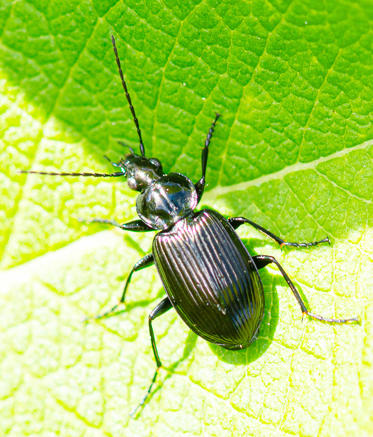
[(140, 171)]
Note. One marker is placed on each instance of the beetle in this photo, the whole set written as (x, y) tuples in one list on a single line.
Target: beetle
[(210, 278)]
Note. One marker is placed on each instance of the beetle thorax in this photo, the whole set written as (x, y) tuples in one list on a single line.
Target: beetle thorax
[(167, 200)]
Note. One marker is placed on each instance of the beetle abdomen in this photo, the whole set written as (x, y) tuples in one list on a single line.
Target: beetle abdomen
[(211, 279)]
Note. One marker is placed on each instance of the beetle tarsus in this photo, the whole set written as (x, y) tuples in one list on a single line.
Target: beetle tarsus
[(104, 315), (236, 222), (163, 306), (146, 261), (331, 320), (263, 260), (134, 412), (308, 244)]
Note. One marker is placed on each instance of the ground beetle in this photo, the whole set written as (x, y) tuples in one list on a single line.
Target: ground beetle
[(209, 276)]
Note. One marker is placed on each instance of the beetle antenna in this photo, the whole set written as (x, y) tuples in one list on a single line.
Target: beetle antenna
[(95, 175), (142, 148)]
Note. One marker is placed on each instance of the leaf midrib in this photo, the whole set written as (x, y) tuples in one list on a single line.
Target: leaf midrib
[(220, 191)]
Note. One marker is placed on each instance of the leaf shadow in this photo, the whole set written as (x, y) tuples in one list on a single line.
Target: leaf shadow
[(190, 343)]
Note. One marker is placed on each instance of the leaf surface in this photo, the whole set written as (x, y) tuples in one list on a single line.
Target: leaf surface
[(293, 151)]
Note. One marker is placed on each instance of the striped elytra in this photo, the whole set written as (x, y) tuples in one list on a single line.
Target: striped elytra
[(211, 279)]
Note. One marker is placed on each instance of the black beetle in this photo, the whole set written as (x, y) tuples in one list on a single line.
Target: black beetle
[(209, 276)]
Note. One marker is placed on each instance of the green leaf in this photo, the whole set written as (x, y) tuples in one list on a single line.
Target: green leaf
[(292, 151)]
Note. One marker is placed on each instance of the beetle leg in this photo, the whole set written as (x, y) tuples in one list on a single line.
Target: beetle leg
[(200, 185), (238, 221), (160, 309), (147, 261), (134, 226), (262, 260)]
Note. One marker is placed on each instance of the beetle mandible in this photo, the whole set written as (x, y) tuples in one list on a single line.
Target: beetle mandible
[(210, 278)]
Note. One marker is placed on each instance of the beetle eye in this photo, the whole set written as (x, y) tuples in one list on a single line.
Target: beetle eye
[(155, 162)]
